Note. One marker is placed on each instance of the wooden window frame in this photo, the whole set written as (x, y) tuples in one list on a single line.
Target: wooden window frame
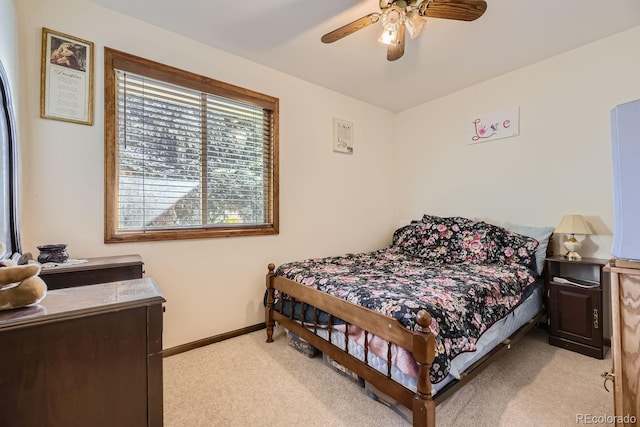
[(117, 60)]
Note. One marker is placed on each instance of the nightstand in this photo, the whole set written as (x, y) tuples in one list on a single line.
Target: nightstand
[(95, 270), (574, 311)]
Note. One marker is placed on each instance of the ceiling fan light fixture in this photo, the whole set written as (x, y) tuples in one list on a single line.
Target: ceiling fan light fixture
[(415, 24), (392, 18), (389, 37), (401, 16)]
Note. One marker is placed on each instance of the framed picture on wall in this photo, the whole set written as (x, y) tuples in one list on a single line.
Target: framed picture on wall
[(342, 136), (66, 78)]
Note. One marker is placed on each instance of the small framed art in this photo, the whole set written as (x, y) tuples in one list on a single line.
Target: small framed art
[(66, 78), (342, 136), (496, 125)]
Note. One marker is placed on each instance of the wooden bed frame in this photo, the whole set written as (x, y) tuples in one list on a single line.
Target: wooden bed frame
[(421, 344)]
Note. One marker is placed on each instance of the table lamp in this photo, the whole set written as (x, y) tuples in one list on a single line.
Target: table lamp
[(573, 224)]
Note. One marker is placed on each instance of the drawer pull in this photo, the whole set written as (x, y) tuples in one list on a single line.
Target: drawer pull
[(608, 376)]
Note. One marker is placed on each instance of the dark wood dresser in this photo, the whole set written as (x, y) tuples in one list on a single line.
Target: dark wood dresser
[(95, 270), (84, 356)]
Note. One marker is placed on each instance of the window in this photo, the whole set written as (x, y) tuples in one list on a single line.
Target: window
[(186, 156)]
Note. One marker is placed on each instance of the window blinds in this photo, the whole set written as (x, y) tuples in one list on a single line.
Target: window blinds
[(190, 159)]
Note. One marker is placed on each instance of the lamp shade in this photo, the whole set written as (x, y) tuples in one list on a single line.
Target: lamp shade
[(573, 224)]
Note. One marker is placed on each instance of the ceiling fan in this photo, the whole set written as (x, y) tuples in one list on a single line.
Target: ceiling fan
[(395, 15)]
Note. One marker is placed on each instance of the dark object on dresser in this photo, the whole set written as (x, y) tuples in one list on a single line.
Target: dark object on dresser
[(53, 253), (85, 356), (95, 270)]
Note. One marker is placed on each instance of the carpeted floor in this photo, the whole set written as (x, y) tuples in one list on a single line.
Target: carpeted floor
[(244, 381)]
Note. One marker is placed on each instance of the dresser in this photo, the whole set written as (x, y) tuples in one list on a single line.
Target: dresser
[(625, 311), (84, 356), (94, 270)]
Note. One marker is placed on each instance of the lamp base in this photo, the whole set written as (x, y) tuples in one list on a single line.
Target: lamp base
[(573, 256), (573, 246)]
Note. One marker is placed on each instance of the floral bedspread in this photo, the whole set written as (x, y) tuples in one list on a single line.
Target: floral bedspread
[(463, 299)]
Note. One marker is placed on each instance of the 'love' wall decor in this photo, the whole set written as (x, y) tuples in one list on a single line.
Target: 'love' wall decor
[(492, 126)]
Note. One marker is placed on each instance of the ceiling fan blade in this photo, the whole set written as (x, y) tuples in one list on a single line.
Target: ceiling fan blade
[(462, 10), (396, 50), (350, 28)]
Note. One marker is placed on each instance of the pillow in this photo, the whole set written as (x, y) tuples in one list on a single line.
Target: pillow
[(512, 248), (407, 237), (449, 240), (453, 240), (447, 220), (542, 235), (471, 245), (419, 240), (442, 245)]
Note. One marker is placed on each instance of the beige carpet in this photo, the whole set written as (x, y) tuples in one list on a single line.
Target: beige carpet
[(246, 382)]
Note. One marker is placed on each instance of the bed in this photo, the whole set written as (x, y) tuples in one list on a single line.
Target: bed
[(418, 318)]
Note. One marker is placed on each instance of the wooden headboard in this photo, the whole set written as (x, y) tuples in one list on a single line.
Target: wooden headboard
[(550, 246)]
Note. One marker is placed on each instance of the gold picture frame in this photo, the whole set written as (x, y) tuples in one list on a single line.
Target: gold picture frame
[(66, 78)]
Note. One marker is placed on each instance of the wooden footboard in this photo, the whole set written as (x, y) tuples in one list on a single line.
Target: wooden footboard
[(421, 344)]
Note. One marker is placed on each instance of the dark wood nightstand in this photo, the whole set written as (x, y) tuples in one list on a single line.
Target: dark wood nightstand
[(574, 311), (95, 270)]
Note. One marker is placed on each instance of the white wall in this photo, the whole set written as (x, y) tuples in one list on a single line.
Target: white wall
[(559, 164), (329, 203)]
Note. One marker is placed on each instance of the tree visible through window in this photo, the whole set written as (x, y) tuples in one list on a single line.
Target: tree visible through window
[(187, 156)]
